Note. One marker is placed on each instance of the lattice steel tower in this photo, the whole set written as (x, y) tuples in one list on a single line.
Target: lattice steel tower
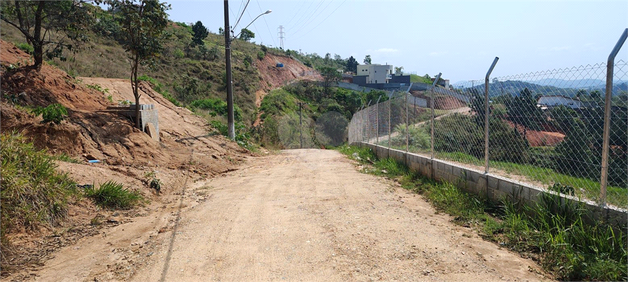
[(281, 36)]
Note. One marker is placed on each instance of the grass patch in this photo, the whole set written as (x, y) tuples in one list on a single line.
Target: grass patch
[(585, 188), (159, 88), (113, 195), (560, 237), (32, 192), (66, 158)]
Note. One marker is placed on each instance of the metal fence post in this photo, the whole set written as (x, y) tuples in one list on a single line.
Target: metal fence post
[(377, 120), (432, 114), (610, 65), (389, 119), (368, 122), (407, 126), (486, 114)]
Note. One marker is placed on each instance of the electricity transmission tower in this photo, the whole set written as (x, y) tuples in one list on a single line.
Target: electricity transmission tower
[(281, 36)]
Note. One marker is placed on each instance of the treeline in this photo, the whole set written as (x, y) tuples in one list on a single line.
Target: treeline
[(330, 109)]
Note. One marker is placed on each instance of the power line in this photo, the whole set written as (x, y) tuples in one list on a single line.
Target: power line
[(295, 14), (253, 23), (325, 19), (270, 33), (242, 14), (301, 24), (240, 8)]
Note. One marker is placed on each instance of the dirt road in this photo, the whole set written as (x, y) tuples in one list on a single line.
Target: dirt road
[(302, 215)]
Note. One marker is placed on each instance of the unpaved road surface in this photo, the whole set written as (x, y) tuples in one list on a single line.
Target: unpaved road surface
[(301, 215)]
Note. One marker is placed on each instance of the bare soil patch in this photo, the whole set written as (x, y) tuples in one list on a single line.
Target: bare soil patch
[(189, 149), (305, 215)]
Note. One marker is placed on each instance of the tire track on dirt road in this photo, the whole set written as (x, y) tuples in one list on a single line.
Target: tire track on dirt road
[(309, 215)]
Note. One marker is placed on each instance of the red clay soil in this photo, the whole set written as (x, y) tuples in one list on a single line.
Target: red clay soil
[(88, 132), (189, 147), (441, 102), (539, 138), (273, 76)]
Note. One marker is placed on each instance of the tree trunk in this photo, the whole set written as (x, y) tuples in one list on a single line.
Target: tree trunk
[(38, 54), (136, 93), (38, 48)]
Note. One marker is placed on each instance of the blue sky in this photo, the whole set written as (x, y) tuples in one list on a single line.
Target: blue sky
[(458, 38)]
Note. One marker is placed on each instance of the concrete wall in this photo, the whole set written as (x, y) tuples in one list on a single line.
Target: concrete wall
[(354, 86), (148, 114), (488, 185)]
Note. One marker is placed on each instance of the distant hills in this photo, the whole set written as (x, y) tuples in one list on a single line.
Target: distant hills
[(550, 86), (590, 84)]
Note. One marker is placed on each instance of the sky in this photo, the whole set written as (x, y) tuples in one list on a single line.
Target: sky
[(459, 39)]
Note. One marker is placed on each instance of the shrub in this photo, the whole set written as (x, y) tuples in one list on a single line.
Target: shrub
[(26, 47), (52, 113), (217, 106), (261, 55), (113, 195), (160, 89), (248, 61), (32, 191), (179, 54), (418, 137)]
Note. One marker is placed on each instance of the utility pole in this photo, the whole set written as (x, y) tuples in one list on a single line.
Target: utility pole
[(281, 36), (230, 118), (228, 38)]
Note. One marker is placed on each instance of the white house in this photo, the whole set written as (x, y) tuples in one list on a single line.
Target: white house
[(375, 73), (548, 102)]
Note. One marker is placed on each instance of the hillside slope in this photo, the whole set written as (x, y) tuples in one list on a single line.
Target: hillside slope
[(183, 70), (189, 149)]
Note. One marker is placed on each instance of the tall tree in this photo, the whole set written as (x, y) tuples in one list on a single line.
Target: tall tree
[(246, 35), (330, 76), (523, 110), (367, 60), (37, 20), (143, 23), (200, 33), (352, 65)]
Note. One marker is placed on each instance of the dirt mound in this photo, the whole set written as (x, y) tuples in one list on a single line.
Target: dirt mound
[(273, 76), (89, 132), (189, 148)]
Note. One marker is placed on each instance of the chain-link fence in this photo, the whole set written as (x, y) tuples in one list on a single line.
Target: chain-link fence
[(544, 128)]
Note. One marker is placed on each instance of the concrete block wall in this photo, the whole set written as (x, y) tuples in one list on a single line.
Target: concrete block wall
[(491, 186), (150, 116)]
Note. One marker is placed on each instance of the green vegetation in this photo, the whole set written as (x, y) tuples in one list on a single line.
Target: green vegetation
[(216, 107), (25, 47), (98, 88), (324, 114), (590, 189), (32, 191), (559, 236), (142, 27), (113, 195), (36, 19), (160, 89), (54, 113), (420, 79)]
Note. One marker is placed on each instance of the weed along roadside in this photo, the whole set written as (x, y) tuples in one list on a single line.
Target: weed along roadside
[(560, 237)]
